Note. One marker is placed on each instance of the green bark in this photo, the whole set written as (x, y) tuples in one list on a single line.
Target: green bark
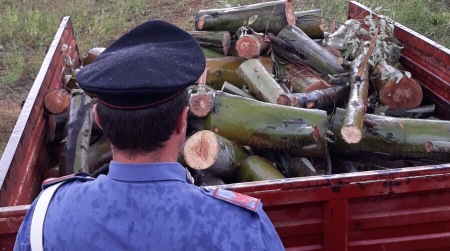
[(356, 108), (320, 99), (79, 133), (260, 81), (256, 168), (232, 89), (271, 17), (310, 22), (341, 37), (224, 69), (218, 41), (294, 45), (396, 136), (98, 155), (267, 126)]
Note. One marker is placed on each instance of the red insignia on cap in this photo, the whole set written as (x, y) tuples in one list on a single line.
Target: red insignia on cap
[(238, 199)]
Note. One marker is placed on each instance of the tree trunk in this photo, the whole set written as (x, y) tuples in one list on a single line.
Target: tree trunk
[(310, 22), (351, 130), (265, 126), (294, 45), (226, 69), (419, 112), (232, 89), (348, 31), (405, 94), (210, 152), (79, 133), (200, 104), (319, 99), (211, 53), (397, 136), (256, 168), (260, 81), (217, 41), (292, 166), (271, 17), (99, 154), (92, 55), (251, 46), (57, 100), (300, 79), (207, 179)]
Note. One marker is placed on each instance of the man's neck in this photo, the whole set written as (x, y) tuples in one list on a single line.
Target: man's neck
[(150, 157)]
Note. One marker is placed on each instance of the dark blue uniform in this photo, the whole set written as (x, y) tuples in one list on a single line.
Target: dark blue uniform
[(150, 207)]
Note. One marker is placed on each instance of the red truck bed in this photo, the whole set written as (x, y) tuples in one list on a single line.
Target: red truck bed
[(397, 209)]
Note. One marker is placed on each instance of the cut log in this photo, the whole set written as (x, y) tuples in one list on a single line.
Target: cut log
[(214, 40), (207, 179), (251, 46), (271, 17), (57, 100), (226, 69), (79, 133), (319, 99), (294, 45), (99, 154), (206, 150), (260, 82), (310, 22), (232, 89), (208, 53), (92, 55), (300, 78), (292, 166), (267, 126), (256, 168), (419, 112), (396, 136), (351, 130), (341, 38), (403, 94), (200, 104), (56, 124)]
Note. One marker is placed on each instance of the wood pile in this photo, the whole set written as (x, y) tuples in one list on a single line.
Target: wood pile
[(281, 98)]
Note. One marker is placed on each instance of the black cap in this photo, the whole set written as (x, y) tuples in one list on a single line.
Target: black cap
[(148, 65)]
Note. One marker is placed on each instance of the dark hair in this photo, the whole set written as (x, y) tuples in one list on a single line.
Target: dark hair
[(143, 130)]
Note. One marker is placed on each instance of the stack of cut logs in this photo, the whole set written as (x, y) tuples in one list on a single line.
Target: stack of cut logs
[(282, 98)]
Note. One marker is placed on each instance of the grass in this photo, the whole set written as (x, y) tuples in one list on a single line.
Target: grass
[(27, 27)]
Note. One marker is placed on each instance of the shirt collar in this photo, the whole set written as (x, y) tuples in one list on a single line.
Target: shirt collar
[(147, 172)]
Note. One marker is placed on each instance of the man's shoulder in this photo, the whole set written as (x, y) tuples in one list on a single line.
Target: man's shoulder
[(68, 178), (240, 200)]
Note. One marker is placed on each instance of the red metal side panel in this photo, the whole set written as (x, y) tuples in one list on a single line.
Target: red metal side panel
[(26, 156), (401, 209), (428, 61), (10, 220)]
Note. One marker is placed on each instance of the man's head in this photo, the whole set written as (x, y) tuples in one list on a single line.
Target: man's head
[(140, 81)]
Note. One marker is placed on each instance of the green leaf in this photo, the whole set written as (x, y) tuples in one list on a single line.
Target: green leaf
[(252, 19)]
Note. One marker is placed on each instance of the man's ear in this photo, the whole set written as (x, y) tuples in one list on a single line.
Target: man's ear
[(97, 120), (182, 121)]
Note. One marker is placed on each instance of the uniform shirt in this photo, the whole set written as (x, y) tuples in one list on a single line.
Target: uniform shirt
[(148, 207)]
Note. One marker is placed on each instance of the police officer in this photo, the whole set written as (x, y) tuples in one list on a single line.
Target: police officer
[(146, 201)]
